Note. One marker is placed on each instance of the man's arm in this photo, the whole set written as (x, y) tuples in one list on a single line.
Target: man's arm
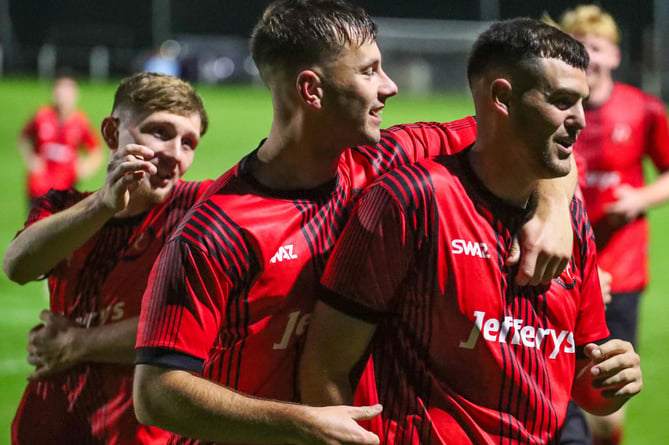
[(631, 202), (193, 407), (335, 344), (31, 160), (58, 344), (37, 249), (608, 378), (89, 163), (546, 240)]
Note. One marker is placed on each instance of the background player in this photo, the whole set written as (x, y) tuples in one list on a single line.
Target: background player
[(97, 250), (231, 294), (58, 144), (625, 125), (461, 353)]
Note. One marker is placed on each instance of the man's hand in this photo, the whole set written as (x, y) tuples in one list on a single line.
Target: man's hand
[(36, 164), (50, 345), (615, 368), (544, 248), (127, 167), (337, 425), (629, 205)]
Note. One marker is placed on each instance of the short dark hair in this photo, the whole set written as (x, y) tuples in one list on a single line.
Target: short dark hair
[(517, 43), (295, 34), (160, 92)]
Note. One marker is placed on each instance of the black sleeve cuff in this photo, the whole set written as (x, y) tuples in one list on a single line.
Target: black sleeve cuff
[(168, 358), (580, 349), (345, 305)]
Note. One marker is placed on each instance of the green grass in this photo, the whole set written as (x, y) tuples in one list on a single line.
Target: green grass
[(240, 117)]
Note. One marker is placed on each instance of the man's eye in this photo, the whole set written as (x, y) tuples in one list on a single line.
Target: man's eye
[(563, 104)]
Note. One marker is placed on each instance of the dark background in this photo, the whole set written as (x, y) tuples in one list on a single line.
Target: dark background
[(133, 27)]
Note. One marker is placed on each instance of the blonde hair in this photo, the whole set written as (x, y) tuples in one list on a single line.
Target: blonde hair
[(590, 19)]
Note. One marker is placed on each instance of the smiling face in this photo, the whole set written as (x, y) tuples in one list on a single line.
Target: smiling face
[(355, 91), (548, 117), (172, 137)]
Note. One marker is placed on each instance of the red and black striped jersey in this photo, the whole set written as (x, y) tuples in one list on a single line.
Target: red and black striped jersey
[(233, 290), (630, 126), (102, 282), (461, 354)]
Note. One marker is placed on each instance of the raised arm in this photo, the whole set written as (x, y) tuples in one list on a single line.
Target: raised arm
[(38, 248), (31, 160), (632, 202), (197, 408), (89, 163)]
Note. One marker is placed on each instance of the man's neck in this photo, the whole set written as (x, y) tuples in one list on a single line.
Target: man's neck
[(500, 177), (290, 165)]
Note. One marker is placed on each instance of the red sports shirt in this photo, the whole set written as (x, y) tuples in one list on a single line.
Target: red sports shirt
[(628, 127), (462, 355), (57, 144), (249, 263), (102, 282)]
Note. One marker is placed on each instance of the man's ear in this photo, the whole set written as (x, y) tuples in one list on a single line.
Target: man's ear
[(310, 88), (109, 130), (500, 94)]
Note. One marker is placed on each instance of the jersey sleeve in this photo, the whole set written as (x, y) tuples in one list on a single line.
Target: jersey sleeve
[(658, 132), (591, 322), (371, 258), (428, 139), (181, 308)]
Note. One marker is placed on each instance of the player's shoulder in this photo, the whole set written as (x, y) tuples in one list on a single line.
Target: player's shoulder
[(414, 183), (464, 124), (211, 210), (187, 193), (45, 112), (627, 93), (55, 201), (192, 188), (580, 221)]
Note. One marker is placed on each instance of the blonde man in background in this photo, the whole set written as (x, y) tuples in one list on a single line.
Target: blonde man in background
[(624, 125)]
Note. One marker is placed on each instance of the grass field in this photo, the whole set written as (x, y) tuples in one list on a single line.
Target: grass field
[(240, 117)]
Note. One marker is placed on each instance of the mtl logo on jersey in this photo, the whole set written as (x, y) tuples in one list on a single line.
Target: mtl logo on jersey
[(284, 253), (471, 248)]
